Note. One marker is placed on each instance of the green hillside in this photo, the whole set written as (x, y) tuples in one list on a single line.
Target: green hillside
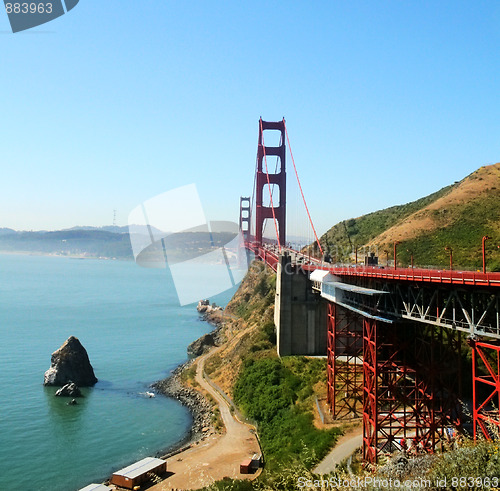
[(361, 230), (457, 216)]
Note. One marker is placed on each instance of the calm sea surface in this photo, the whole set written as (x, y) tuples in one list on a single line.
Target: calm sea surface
[(129, 320)]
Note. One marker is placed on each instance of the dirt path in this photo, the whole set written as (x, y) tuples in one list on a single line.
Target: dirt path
[(217, 456), (345, 447)]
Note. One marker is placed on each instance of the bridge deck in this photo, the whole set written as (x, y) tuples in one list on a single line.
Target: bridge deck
[(415, 275), (410, 275)]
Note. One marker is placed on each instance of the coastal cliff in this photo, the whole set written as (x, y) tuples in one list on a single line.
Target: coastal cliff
[(214, 315), (275, 396)]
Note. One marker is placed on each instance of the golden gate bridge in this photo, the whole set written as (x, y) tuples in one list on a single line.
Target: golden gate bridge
[(407, 348)]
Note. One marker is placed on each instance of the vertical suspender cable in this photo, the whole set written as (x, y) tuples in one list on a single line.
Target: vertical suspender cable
[(300, 187)]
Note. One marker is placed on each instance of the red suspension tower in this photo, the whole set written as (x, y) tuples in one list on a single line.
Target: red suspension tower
[(277, 212)]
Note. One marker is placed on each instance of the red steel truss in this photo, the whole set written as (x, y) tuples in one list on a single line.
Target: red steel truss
[(411, 374), (345, 368), (370, 392), (438, 366), (409, 387), (392, 395), (486, 388)]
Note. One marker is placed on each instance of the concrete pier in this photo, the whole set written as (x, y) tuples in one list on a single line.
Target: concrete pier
[(299, 313)]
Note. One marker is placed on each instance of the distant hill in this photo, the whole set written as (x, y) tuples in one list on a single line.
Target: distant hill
[(457, 216), (107, 228), (111, 242), (91, 243)]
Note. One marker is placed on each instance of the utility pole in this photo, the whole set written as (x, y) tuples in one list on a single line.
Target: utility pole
[(411, 257), (485, 238), (448, 248), (395, 245)]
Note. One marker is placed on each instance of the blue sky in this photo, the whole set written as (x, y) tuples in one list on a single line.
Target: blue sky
[(118, 101)]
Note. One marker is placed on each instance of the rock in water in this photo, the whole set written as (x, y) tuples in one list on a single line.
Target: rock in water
[(69, 390), (70, 363)]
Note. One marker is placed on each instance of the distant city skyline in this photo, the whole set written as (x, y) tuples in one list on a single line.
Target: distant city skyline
[(115, 103)]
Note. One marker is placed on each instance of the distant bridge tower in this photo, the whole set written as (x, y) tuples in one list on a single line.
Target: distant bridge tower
[(264, 178), (245, 217)]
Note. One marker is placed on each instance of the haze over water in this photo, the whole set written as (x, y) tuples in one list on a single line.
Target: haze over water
[(129, 320)]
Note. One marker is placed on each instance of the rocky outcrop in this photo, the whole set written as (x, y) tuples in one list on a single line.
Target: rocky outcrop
[(205, 308), (201, 345), (70, 363), (202, 306), (214, 315), (69, 390)]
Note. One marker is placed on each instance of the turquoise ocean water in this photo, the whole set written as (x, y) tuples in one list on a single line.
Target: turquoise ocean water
[(129, 320)]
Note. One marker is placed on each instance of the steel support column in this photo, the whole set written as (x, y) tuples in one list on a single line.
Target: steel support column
[(409, 387), (438, 381), (370, 392), (486, 388), (330, 349), (392, 393), (345, 368), (398, 391)]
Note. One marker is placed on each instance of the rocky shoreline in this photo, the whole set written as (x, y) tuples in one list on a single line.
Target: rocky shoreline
[(198, 406), (194, 401)]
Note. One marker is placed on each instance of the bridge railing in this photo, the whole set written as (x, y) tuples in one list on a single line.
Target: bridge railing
[(422, 275), (270, 255)]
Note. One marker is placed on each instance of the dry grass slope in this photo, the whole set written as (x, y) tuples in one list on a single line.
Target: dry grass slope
[(251, 307), (456, 216), (481, 185)]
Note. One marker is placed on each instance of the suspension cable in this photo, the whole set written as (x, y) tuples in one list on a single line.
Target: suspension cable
[(300, 187)]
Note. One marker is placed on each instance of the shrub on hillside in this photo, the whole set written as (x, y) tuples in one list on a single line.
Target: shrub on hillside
[(269, 393)]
